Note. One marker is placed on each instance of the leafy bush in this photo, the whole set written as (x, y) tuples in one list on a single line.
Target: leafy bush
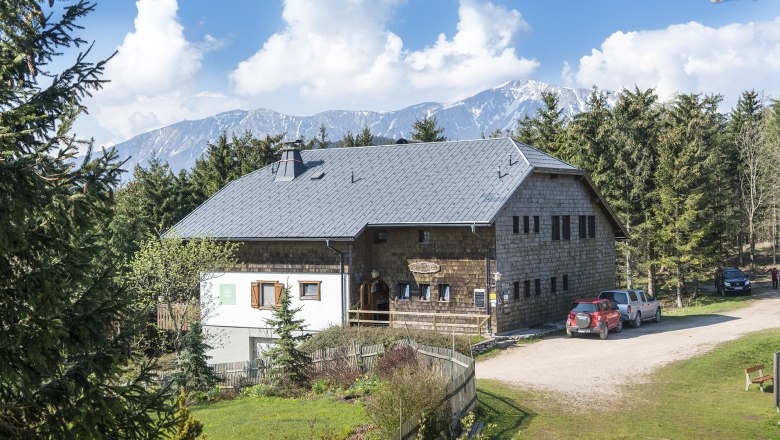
[(259, 390), (364, 385), (322, 386), (419, 390), (395, 359), (337, 336)]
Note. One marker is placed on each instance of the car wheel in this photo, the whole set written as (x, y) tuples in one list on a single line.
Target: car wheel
[(569, 333), (604, 333), (619, 327), (637, 320), (657, 315)]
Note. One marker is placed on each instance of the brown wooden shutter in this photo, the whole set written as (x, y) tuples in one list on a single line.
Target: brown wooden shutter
[(255, 295), (279, 288)]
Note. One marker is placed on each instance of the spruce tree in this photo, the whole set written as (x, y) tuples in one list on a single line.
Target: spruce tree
[(193, 372), (682, 217), (288, 363), (70, 367), (365, 138), (546, 129), (428, 130)]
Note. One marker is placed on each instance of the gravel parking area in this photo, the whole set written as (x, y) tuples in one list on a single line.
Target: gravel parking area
[(587, 367)]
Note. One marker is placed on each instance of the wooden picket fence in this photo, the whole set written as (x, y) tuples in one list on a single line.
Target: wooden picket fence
[(461, 391)]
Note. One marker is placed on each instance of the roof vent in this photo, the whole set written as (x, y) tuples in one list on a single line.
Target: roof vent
[(291, 164), (317, 175)]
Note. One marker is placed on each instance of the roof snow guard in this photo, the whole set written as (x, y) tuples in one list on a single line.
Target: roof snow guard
[(291, 164)]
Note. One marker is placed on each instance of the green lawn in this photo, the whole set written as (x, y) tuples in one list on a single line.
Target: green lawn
[(708, 304), (700, 398), (277, 418)]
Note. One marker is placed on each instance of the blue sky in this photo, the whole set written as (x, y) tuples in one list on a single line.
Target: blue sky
[(197, 58)]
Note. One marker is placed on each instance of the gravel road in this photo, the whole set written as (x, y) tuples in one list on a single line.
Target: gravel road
[(584, 367)]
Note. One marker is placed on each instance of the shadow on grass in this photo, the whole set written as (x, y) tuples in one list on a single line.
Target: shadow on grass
[(502, 412)]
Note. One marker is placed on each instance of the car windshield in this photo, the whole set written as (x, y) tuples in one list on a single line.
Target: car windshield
[(733, 274), (618, 297), (584, 307)]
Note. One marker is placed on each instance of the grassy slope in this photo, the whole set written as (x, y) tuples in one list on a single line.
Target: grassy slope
[(698, 398), (276, 418), (708, 304)]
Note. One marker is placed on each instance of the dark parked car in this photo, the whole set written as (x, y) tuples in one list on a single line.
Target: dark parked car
[(732, 280)]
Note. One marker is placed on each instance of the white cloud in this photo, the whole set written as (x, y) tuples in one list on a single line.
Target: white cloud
[(152, 76), (342, 53), (687, 58)]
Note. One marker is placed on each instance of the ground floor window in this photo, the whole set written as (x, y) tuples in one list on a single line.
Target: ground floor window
[(565, 283), (537, 286), (403, 291), (444, 292), (425, 292), (310, 290)]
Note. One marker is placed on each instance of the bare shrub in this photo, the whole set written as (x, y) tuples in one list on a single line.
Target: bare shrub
[(342, 374), (415, 391), (394, 360), (337, 336)]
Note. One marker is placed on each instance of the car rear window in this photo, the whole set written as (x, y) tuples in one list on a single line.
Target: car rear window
[(584, 307), (618, 297)]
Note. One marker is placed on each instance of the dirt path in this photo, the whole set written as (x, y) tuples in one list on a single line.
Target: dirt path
[(586, 367)]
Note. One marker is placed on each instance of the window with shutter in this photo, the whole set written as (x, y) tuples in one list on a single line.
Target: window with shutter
[(278, 290), (255, 295)]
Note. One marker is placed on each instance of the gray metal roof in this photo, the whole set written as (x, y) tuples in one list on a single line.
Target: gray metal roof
[(454, 182)]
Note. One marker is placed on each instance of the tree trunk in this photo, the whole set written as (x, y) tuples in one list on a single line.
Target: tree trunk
[(739, 247), (679, 287), (774, 230), (629, 269)]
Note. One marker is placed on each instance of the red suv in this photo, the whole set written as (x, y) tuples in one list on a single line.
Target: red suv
[(593, 315)]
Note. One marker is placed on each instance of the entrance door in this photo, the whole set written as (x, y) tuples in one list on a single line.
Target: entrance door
[(375, 295)]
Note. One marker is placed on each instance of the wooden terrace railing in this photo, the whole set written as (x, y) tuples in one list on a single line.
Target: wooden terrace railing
[(441, 322)]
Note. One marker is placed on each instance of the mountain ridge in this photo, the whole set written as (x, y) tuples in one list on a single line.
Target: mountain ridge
[(499, 107)]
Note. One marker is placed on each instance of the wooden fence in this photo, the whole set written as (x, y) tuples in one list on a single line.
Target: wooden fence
[(462, 323), (166, 322), (461, 391)]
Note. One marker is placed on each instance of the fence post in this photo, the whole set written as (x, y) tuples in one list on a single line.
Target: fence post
[(774, 384)]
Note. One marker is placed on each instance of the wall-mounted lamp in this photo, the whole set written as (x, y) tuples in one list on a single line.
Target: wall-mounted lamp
[(497, 276), (374, 274)]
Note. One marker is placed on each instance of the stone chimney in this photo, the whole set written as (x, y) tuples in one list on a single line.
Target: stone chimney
[(291, 164)]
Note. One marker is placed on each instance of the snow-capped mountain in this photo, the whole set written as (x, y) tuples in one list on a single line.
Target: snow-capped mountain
[(497, 108)]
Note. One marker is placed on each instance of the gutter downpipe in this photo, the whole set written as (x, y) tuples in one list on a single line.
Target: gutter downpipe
[(487, 278), (341, 272)]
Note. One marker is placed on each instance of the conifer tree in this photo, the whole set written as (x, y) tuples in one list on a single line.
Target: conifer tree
[(193, 372), (67, 329), (348, 140), (365, 138), (289, 364), (682, 217), (428, 130), (546, 130)]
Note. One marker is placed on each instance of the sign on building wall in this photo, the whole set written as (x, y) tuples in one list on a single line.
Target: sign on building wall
[(424, 267), (479, 298), (227, 294)]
